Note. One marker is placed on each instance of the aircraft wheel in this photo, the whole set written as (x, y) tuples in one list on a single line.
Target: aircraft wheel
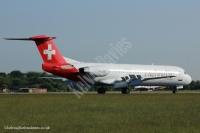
[(122, 90), (101, 91), (125, 90), (174, 90)]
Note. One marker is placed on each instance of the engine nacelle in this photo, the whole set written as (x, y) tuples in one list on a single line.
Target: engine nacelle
[(96, 71)]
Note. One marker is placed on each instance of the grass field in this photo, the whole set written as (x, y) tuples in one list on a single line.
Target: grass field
[(156, 112)]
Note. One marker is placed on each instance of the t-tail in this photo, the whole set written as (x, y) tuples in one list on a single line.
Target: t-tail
[(53, 60), (47, 48)]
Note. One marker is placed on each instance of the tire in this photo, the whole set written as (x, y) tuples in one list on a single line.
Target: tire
[(125, 90), (101, 91)]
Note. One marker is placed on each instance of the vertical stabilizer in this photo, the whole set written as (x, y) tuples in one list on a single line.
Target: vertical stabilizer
[(48, 50)]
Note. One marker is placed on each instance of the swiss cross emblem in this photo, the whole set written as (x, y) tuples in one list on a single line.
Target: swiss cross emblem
[(49, 52)]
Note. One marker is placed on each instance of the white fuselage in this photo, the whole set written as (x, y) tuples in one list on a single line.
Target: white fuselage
[(118, 71)]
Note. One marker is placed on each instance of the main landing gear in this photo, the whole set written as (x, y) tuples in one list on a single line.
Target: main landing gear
[(174, 90), (101, 90), (125, 90)]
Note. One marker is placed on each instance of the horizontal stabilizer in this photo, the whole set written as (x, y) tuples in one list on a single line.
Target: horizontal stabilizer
[(28, 39), (34, 38), (56, 78)]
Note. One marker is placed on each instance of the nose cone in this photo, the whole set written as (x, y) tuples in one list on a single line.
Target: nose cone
[(189, 79)]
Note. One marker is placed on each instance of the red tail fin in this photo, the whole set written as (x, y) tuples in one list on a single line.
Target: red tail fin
[(48, 50), (53, 60)]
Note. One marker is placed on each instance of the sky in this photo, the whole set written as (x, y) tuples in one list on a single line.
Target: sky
[(163, 32)]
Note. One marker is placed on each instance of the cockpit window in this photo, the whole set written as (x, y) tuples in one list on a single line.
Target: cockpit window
[(185, 72)]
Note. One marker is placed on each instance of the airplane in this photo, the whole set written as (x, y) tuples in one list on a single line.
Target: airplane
[(120, 76)]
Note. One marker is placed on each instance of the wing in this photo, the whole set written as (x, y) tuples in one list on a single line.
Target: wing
[(108, 81), (152, 78), (130, 80)]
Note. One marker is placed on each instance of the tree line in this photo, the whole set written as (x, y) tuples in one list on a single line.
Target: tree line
[(16, 79)]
